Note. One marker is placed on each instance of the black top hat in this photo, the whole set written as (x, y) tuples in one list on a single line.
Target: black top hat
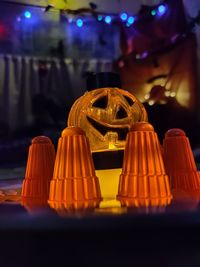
[(103, 80)]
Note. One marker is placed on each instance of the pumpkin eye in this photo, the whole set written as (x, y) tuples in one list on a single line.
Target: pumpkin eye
[(129, 100), (102, 102), (121, 113)]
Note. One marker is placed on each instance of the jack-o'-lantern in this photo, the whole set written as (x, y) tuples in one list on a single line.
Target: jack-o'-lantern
[(106, 115)]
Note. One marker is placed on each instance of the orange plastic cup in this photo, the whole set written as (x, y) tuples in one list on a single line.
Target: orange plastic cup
[(74, 178), (143, 180), (180, 164), (36, 206), (74, 207), (39, 169)]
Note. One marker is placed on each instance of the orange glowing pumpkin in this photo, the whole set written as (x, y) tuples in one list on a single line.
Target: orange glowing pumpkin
[(106, 115)]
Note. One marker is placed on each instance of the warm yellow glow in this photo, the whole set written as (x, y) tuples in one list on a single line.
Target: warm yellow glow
[(112, 140), (167, 93), (110, 203), (151, 102), (147, 96), (183, 95), (111, 206), (172, 94), (109, 181)]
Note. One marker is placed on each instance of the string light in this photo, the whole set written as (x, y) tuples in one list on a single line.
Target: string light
[(151, 102), (131, 20), (162, 9), (167, 93), (124, 16), (172, 94), (108, 19), (100, 18), (79, 23), (158, 10), (27, 14), (153, 12)]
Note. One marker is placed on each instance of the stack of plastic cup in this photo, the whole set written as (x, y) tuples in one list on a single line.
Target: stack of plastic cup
[(180, 164), (143, 181), (39, 170), (74, 182)]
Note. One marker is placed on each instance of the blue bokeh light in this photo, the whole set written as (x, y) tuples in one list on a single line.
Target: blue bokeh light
[(27, 14), (108, 19), (100, 17), (124, 16), (153, 12), (131, 20), (162, 9), (79, 23)]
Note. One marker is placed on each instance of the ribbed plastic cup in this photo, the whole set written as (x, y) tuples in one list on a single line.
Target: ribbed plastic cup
[(75, 207), (36, 206), (143, 180), (179, 163), (146, 202), (39, 169), (74, 176)]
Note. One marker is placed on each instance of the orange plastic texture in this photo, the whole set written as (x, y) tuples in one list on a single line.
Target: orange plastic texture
[(35, 206), (180, 164), (74, 176), (65, 208), (146, 202), (39, 169), (143, 180), (106, 115)]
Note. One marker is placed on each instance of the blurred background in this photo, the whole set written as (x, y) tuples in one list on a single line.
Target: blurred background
[(47, 49)]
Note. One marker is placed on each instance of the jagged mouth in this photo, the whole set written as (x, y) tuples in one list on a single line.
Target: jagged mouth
[(102, 129)]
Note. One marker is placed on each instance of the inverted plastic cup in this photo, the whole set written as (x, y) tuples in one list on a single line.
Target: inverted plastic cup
[(74, 178), (75, 207), (179, 163), (39, 169), (36, 206), (143, 179)]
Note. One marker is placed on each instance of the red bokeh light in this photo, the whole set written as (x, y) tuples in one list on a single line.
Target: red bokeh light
[(3, 30)]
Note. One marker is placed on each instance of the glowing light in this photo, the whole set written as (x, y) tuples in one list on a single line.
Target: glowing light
[(79, 23), (153, 12), (172, 94), (167, 93), (147, 96), (144, 54), (124, 16), (100, 18), (109, 181), (131, 20), (18, 19), (3, 30), (151, 102), (108, 19), (27, 14), (121, 64), (162, 9)]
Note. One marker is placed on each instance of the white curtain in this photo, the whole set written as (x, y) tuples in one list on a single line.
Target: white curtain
[(20, 80)]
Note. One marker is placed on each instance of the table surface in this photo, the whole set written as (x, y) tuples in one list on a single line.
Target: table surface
[(108, 235)]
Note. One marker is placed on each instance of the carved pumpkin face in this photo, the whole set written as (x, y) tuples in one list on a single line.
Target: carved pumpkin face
[(106, 115)]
